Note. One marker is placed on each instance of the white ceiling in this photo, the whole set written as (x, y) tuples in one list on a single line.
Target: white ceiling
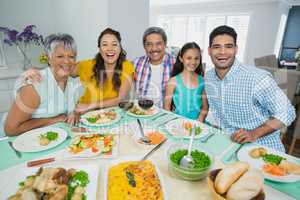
[(176, 2)]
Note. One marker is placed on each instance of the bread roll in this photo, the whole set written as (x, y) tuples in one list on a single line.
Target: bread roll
[(229, 175), (247, 187)]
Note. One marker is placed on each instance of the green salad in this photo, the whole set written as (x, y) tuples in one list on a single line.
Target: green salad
[(200, 158)]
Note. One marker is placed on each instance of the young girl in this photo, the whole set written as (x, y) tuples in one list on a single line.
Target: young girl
[(185, 90)]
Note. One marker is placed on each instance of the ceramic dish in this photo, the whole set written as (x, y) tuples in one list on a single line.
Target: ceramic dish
[(243, 155), (29, 141)]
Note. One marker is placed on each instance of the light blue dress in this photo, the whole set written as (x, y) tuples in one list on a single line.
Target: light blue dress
[(188, 102), (53, 100)]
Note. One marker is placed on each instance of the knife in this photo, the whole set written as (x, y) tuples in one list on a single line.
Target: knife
[(165, 122), (153, 150)]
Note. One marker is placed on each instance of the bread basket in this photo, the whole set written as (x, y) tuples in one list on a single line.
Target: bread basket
[(211, 179)]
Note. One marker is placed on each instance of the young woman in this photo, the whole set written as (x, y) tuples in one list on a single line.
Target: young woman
[(108, 77), (185, 90)]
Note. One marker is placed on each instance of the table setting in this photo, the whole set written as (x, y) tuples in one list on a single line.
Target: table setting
[(113, 137)]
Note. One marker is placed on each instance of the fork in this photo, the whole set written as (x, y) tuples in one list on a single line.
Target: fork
[(234, 154), (18, 153)]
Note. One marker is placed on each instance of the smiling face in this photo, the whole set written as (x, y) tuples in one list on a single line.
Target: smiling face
[(155, 48), (62, 61), (223, 51), (110, 49), (190, 59)]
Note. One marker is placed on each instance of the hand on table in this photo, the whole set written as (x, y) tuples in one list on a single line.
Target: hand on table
[(73, 118), (243, 136)]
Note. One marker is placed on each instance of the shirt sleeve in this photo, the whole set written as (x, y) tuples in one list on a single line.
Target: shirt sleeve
[(268, 94)]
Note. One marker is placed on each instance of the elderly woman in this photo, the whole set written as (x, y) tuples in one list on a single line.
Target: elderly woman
[(106, 79), (48, 101)]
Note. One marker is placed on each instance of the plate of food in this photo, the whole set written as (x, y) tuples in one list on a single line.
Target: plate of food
[(184, 127), (130, 178), (103, 145), (103, 117), (138, 111), (53, 182), (40, 139), (276, 166)]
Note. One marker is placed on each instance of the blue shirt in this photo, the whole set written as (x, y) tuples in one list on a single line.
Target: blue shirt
[(246, 98), (188, 101)]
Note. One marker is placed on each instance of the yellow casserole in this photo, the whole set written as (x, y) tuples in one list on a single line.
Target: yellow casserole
[(134, 180)]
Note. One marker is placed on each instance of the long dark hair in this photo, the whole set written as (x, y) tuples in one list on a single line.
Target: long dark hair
[(178, 66), (99, 69)]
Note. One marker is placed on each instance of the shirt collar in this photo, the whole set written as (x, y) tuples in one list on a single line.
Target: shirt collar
[(231, 73)]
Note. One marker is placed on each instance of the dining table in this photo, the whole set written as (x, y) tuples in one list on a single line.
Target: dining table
[(219, 144)]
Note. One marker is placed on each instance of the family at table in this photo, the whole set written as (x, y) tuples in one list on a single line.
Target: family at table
[(245, 101)]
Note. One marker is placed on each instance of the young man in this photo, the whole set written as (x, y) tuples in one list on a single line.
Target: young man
[(153, 70), (244, 100)]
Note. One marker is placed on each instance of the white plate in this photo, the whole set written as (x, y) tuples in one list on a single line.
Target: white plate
[(258, 163), (89, 114), (87, 153), (132, 158), (156, 110), (29, 141), (91, 189), (176, 128)]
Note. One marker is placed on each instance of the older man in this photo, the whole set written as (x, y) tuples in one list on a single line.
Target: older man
[(153, 69), (244, 100)]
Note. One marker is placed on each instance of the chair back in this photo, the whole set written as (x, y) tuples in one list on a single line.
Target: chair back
[(268, 60)]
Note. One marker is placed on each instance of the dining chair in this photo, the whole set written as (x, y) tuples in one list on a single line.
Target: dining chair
[(268, 60), (288, 80)]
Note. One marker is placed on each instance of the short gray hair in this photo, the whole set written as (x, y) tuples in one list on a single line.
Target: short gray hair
[(59, 39), (156, 30)]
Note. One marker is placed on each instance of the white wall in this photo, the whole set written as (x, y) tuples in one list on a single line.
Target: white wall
[(130, 18), (83, 19), (264, 21), (17, 14)]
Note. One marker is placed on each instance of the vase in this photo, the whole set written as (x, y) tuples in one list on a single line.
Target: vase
[(26, 60)]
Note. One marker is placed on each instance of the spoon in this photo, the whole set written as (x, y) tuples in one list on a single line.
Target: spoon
[(143, 138), (187, 161)]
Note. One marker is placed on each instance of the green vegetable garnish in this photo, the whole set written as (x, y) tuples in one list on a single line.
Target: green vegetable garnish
[(200, 158), (198, 130), (22, 184), (50, 135), (91, 119), (130, 178), (80, 178), (273, 159)]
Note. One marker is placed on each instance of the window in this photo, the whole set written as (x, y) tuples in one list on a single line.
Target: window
[(283, 20), (186, 28)]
